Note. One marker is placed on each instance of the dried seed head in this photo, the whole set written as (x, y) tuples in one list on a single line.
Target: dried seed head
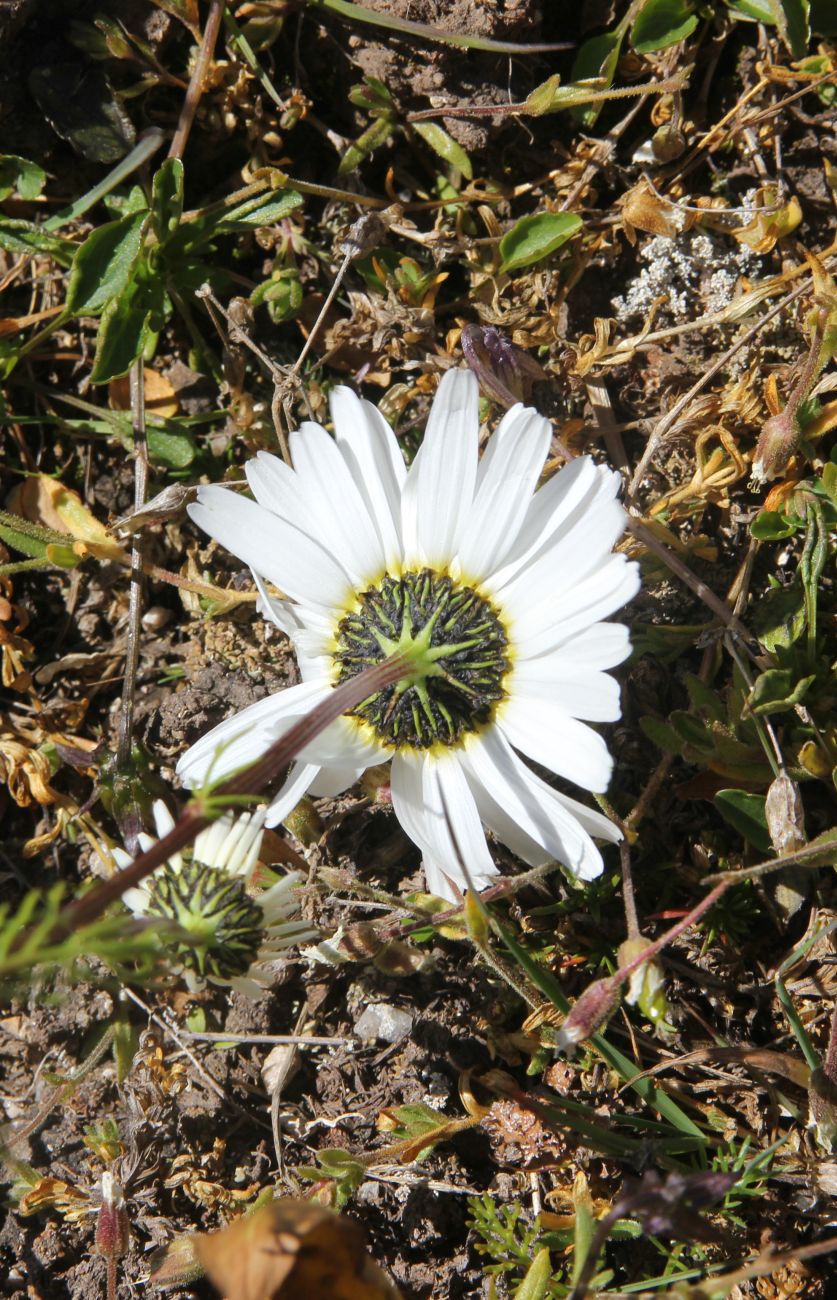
[(113, 1234), (505, 372), (785, 815), (778, 440), (596, 1005), (646, 984)]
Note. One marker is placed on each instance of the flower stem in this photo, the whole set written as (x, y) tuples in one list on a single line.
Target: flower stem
[(252, 781)]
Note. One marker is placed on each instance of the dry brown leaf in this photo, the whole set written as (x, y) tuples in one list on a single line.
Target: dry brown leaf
[(43, 500), (14, 648), (52, 1193), (644, 209), (160, 397), (26, 772), (292, 1249)]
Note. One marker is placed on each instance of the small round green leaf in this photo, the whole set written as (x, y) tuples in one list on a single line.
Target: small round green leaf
[(745, 812), (533, 238), (661, 23)]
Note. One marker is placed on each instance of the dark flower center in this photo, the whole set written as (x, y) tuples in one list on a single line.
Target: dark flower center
[(457, 648), (224, 927)]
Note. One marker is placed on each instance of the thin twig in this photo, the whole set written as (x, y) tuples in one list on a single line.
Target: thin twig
[(126, 719), (628, 898), (248, 783), (202, 1072), (290, 1040), (669, 557), (194, 91)]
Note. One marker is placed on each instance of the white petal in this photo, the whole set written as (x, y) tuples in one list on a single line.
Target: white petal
[(137, 900), (297, 564), (550, 508), (277, 488), (209, 843), (344, 743), (232, 843), (440, 484), (506, 829), (438, 882), (543, 731), (602, 646), (350, 533), (590, 819), (508, 473), (566, 562), (578, 691), (370, 450), (533, 805), (334, 780), (246, 735), (425, 791), (305, 501), (163, 820), (465, 832), (546, 628), (299, 780)]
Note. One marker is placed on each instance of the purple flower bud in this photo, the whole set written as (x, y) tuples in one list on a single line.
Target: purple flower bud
[(596, 1004), (778, 440), (505, 372), (113, 1234)]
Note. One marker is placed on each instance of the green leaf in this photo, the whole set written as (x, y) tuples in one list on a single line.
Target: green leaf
[(445, 146), (370, 140), (31, 539), (829, 481), (779, 618), (704, 700), (167, 198), (18, 236), (533, 238), (777, 691), (535, 1284), (662, 735), (772, 526), (103, 266), (757, 11), (123, 332), (793, 20), (596, 59), (745, 813), (174, 449), (692, 730), (18, 175), (265, 210), (661, 23), (81, 106)]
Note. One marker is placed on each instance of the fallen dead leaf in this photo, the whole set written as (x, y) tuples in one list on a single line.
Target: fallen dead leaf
[(291, 1249), (160, 397)]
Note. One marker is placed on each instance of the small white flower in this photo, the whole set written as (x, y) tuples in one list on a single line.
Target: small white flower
[(233, 932), (494, 590)]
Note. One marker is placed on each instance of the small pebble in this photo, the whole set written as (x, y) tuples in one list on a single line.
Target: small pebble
[(382, 1022)]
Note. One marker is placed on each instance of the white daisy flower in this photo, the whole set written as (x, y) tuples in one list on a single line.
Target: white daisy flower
[(493, 590), (233, 933)]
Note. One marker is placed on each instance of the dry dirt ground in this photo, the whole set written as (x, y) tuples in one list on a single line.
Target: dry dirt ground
[(627, 320)]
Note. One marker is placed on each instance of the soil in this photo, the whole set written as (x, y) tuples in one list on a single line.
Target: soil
[(188, 1119)]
